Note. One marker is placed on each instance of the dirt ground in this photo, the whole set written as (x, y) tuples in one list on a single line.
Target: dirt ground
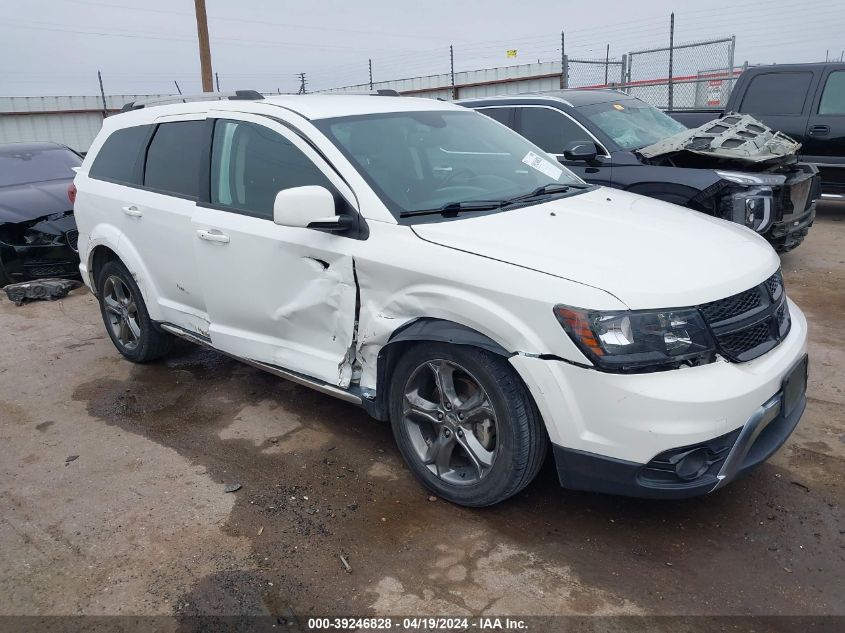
[(112, 497)]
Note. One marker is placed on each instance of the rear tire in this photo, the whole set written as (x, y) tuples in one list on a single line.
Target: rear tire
[(126, 318), (465, 423)]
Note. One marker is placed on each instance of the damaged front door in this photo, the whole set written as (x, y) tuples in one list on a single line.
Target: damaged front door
[(275, 294)]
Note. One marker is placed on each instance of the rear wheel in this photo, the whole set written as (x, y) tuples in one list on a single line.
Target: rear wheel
[(126, 318), (465, 423)]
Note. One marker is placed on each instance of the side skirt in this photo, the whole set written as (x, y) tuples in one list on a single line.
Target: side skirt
[(298, 378)]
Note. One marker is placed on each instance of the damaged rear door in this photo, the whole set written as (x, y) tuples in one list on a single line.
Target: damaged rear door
[(275, 294)]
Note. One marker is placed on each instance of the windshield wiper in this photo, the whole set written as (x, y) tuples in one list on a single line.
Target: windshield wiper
[(540, 191), (454, 207)]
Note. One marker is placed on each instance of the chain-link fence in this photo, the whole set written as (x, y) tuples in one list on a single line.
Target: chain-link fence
[(684, 76), (593, 73)]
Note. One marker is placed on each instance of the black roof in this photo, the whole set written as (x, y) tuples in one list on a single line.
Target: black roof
[(574, 96), (29, 147)]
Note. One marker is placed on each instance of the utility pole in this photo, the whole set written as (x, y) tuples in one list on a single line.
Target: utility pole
[(671, 57), (302, 83), (371, 74), (217, 81), (103, 95), (452, 66), (205, 50)]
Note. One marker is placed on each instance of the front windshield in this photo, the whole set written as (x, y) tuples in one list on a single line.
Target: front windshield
[(631, 123), (18, 166), (422, 161)]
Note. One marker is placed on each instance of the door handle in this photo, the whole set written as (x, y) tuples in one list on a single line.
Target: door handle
[(819, 130), (213, 236), (132, 211)]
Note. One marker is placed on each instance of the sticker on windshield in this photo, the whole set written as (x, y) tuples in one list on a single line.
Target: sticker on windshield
[(619, 106), (542, 165)]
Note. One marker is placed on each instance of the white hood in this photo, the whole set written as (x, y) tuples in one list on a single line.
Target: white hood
[(647, 253)]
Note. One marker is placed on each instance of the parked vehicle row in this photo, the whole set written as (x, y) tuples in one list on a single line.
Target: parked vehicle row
[(735, 168), (37, 230), (804, 101), (448, 275)]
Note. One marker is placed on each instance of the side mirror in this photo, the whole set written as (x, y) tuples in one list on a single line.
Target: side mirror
[(309, 207), (584, 151)]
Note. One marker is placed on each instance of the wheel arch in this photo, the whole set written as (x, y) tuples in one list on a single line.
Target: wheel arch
[(423, 329), (106, 245)]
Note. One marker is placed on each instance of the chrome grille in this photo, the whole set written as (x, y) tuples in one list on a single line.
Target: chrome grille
[(749, 324)]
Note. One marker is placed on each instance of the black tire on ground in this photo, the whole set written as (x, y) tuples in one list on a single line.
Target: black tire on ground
[(519, 446), (149, 342)]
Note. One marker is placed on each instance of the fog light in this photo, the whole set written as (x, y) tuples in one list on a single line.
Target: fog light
[(693, 464)]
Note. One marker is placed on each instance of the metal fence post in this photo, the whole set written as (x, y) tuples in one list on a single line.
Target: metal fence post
[(371, 74), (452, 67), (562, 60), (671, 59), (606, 64), (565, 73), (624, 67)]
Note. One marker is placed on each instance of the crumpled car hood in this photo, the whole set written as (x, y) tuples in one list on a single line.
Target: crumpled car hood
[(737, 137), (647, 253), (19, 203)]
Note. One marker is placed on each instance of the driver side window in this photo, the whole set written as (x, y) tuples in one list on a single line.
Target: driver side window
[(250, 164)]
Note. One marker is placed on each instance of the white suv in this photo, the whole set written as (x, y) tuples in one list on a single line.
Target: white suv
[(427, 263)]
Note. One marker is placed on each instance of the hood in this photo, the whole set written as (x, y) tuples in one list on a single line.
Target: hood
[(19, 203), (735, 137), (647, 253)]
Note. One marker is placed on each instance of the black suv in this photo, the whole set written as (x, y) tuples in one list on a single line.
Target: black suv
[(734, 168)]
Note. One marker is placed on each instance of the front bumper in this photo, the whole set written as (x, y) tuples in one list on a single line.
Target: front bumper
[(608, 427), (26, 263), (791, 231), (725, 459)]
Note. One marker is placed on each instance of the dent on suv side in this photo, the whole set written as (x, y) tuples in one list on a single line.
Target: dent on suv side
[(425, 262)]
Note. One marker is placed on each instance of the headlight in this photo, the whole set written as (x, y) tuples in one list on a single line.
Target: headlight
[(743, 178), (639, 340), (750, 207)]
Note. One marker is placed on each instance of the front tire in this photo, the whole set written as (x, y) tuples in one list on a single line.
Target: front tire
[(126, 318), (465, 423)]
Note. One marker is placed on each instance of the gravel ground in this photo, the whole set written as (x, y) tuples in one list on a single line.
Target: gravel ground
[(113, 476)]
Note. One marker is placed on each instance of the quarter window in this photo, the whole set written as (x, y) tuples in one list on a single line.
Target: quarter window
[(121, 157), (250, 164), (833, 97), (777, 93), (173, 159), (549, 129)]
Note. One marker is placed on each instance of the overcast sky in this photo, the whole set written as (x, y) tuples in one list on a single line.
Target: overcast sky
[(55, 47)]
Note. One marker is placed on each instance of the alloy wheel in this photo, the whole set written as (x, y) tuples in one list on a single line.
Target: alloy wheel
[(121, 312), (450, 421)]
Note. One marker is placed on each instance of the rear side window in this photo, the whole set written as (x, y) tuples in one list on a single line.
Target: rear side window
[(122, 155), (549, 129), (174, 156), (777, 93), (833, 97)]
